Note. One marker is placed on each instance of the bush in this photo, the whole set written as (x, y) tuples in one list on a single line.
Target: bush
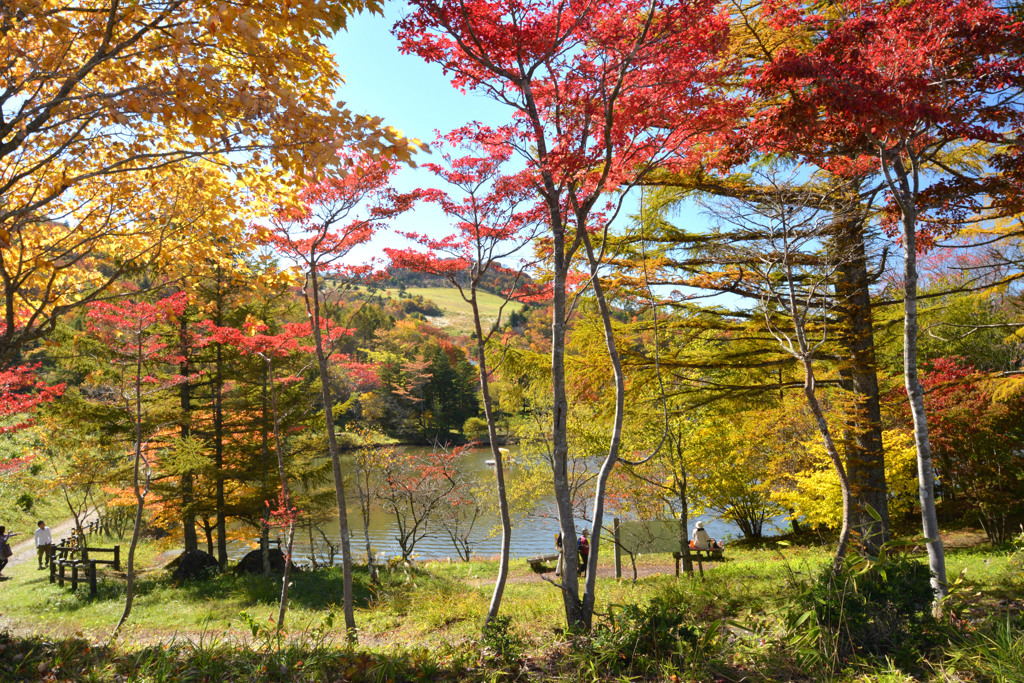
[(25, 502), (474, 428), (501, 642), (659, 639), (878, 608), (1017, 558)]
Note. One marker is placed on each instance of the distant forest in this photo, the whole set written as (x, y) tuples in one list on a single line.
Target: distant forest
[(494, 282)]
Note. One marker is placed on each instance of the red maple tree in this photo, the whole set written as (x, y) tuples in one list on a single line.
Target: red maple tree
[(494, 219), (134, 334), (600, 92), (21, 392), (319, 232)]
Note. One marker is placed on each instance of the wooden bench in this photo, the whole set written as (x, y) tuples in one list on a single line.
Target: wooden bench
[(63, 557), (539, 563), (698, 554)]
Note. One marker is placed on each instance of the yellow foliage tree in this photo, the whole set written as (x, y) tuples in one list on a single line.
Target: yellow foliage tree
[(119, 120), (813, 492)]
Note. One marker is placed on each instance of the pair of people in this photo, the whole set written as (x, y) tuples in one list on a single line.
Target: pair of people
[(582, 548), (44, 543)]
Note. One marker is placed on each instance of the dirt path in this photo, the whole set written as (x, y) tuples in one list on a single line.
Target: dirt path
[(25, 550), (644, 568)]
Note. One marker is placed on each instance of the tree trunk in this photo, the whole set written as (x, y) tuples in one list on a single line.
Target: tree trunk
[(499, 466), (559, 429), (313, 309), (286, 499), (612, 457), (862, 442), (826, 435), (265, 452), (188, 515), (218, 459), (905, 188), (684, 504), (915, 393), (140, 498)]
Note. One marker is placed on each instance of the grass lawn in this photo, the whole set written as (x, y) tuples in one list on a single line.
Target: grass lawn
[(458, 315), (741, 622)]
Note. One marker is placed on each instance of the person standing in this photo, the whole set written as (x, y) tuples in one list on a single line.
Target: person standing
[(561, 554), (44, 544), (583, 543), (5, 546)]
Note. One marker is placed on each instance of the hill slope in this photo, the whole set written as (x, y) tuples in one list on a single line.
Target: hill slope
[(458, 315)]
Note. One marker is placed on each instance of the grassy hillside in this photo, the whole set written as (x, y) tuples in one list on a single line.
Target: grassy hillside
[(458, 316)]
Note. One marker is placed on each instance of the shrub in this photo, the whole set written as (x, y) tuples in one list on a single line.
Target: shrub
[(660, 639), (879, 608), (1017, 558), (501, 642), (474, 428)]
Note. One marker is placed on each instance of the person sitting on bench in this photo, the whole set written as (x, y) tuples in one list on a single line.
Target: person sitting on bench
[(701, 540)]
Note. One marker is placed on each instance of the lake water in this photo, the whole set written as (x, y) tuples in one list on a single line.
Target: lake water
[(534, 535)]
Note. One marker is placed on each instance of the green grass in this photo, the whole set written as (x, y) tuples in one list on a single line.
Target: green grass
[(458, 315), (423, 623), (27, 497)]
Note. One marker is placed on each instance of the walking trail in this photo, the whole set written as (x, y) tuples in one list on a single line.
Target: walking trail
[(25, 547)]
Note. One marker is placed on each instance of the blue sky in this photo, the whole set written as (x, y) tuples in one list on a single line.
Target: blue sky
[(410, 95), (413, 96)]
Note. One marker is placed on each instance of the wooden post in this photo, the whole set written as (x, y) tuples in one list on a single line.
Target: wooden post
[(92, 579), (53, 567), (60, 581), (117, 558), (618, 548), (74, 576)]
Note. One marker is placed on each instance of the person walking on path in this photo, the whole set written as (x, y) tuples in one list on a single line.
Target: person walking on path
[(5, 546), (44, 544)]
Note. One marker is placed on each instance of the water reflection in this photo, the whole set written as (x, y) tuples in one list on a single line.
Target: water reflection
[(533, 535)]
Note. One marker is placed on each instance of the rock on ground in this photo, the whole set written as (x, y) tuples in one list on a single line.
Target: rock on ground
[(252, 563), (195, 564)]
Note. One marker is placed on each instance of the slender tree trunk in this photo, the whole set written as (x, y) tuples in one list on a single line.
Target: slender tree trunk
[(865, 457), (218, 459), (601, 485), (188, 515), (844, 483), (140, 497), (915, 393), (286, 499), (265, 451), (905, 187), (313, 309), (559, 429), (684, 505), (364, 506), (218, 433), (499, 465)]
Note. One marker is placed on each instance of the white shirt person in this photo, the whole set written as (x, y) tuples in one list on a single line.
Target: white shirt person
[(44, 541)]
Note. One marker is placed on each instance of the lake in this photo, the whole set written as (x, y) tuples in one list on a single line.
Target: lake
[(534, 535)]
